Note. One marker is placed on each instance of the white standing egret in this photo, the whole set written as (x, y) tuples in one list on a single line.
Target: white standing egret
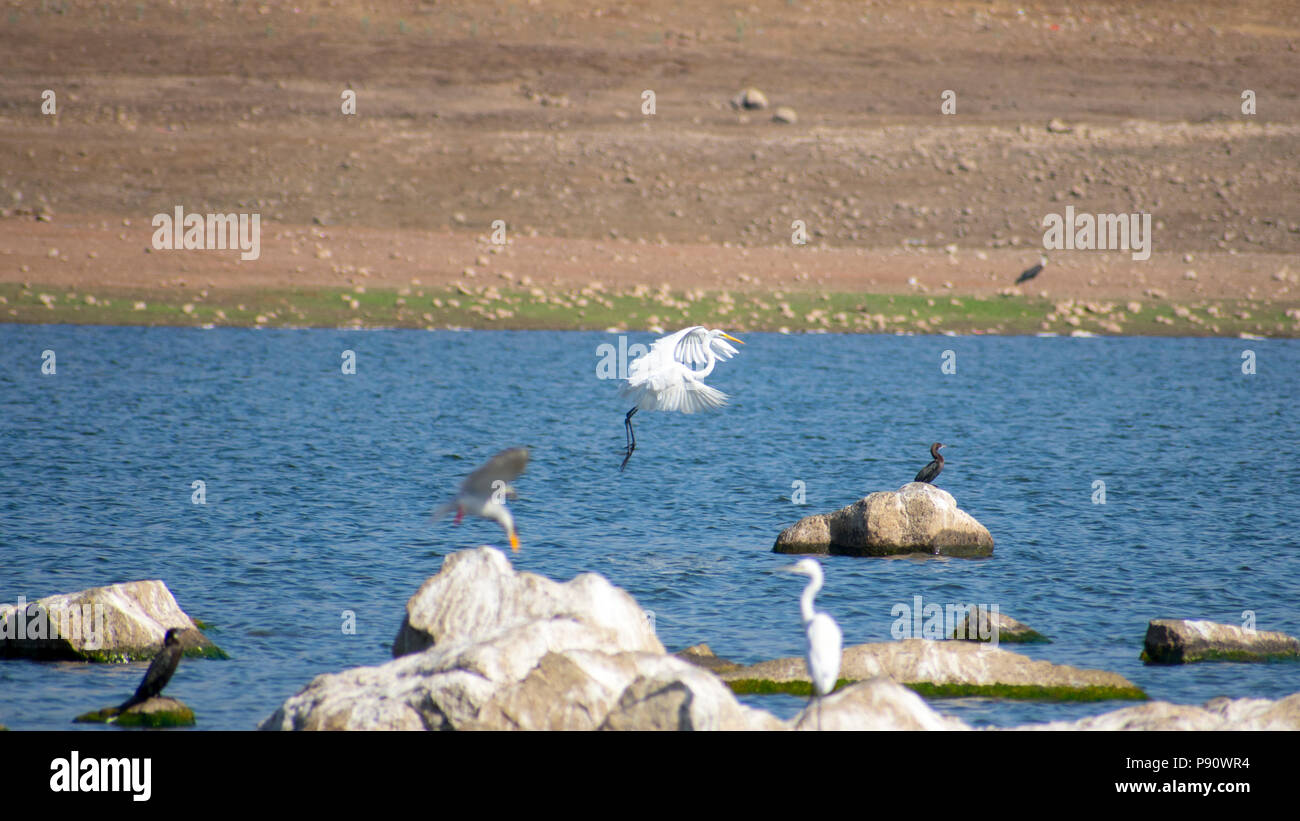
[(484, 492), (670, 378), (824, 638)]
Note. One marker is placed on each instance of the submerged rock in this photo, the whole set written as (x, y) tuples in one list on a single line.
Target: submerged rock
[(159, 711), (1216, 714), (120, 622), (917, 518), (702, 655), (944, 669), (1181, 641), (506, 650), (982, 623)]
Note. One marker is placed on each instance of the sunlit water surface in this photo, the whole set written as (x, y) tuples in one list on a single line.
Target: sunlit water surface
[(319, 489)]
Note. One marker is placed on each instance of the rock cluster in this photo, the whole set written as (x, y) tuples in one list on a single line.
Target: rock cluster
[(486, 647)]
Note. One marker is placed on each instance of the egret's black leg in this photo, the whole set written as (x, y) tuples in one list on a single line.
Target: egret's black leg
[(631, 437)]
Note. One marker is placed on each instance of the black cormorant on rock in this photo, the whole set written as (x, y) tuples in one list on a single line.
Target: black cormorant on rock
[(931, 471), (159, 672)]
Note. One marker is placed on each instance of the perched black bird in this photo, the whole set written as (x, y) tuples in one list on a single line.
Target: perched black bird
[(159, 672), (1030, 273), (931, 471)]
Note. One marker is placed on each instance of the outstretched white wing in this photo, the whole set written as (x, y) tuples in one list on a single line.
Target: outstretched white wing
[(667, 351), (688, 395), (669, 377), (689, 347)]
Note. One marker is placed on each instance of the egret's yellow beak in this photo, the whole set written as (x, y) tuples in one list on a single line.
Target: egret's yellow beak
[(732, 338), (514, 542)]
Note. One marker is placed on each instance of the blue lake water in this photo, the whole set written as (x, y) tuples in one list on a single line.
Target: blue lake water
[(319, 487)]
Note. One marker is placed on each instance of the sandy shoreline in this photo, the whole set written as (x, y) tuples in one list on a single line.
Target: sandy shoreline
[(399, 274), (532, 115)]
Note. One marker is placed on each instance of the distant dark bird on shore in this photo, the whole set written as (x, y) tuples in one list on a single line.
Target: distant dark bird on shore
[(931, 471), (1030, 273), (159, 672)]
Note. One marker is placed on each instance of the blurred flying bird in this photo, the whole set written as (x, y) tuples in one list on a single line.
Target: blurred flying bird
[(484, 492), (159, 672), (669, 376), (824, 638), (931, 471), (1030, 273)]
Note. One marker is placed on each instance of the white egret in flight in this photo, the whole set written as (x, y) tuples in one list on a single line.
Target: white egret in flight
[(824, 637), (670, 377), (484, 492)]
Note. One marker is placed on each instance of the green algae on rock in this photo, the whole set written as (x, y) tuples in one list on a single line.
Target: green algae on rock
[(980, 624), (1028, 692), (946, 669), (1017, 692), (767, 687), (157, 712)]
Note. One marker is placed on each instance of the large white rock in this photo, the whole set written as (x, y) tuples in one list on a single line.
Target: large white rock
[(478, 592), (119, 622), (916, 518), (517, 651)]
